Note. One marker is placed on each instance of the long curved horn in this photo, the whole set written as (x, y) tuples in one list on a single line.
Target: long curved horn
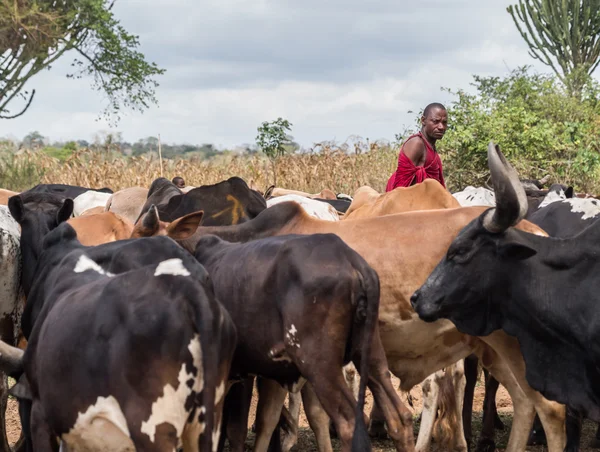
[(11, 358), (511, 201)]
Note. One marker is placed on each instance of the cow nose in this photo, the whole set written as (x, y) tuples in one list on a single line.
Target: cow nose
[(414, 299)]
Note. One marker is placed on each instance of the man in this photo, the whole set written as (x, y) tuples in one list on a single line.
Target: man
[(418, 159)]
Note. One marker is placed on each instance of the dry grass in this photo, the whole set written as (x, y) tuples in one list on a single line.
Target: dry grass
[(342, 168), (326, 166)]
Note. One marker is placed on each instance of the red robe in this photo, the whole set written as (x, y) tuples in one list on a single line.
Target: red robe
[(407, 171)]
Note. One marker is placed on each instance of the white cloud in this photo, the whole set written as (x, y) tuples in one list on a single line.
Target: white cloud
[(334, 68)]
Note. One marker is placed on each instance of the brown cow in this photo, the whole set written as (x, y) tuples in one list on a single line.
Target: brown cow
[(127, 202), (101, 228), (424, 196), (404, 249)]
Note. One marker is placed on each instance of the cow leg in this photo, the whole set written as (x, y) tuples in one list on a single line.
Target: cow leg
[(271, 396), (523, 407), (574, 425), (317, 418), (377, 423), (471, 363), (290, 420), (552, 414), (457, 374), (431, 391), (398, 418), (41, 435), (488, 427), (236, 410)]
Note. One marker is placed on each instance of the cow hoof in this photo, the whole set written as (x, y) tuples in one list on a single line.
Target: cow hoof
[(537, 438), (595, 443), (498, 424), (486, 445), (377, 430)]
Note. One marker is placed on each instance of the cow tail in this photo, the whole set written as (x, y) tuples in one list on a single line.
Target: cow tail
[(447, 416), (366, 313)]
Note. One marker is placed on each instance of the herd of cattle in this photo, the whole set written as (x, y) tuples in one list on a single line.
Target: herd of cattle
[(140, 319)]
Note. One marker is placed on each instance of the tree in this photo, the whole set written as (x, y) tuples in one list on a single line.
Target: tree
[(36, 33), (33, 140), (564, 35), (273, 141)]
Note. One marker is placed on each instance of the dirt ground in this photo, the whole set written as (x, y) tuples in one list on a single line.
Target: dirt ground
[(306, 440)]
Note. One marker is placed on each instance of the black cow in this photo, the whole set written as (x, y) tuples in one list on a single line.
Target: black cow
[(142, 341), (65, 191), (304, 306), (541, 290), (225, 203)]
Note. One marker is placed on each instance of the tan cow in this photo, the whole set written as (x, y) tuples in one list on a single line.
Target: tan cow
[(274, 192), (101, 228), (404, 249), (128, 202), (4, 195), (427, 195)]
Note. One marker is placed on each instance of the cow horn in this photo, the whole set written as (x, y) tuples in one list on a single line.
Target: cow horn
[(511, 201), (11, 358)]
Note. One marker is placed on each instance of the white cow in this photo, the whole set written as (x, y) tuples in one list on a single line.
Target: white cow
[(89, 200), (318, 209), (475, 196)]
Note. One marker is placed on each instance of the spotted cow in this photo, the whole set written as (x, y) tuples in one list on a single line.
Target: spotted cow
[(116, 314)]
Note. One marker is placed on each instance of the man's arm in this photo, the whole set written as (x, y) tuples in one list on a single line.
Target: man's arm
[(415, 150)]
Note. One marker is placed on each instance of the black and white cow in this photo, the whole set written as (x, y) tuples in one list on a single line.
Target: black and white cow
[(65, 191), (128, 348), (542, 290)]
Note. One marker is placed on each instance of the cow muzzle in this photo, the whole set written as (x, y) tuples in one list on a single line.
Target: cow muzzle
[(427, 310)]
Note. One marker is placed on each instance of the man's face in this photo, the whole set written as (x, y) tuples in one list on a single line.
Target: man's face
[(436, 123)]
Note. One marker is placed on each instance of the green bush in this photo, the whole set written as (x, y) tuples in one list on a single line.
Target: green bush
[(539, 127)]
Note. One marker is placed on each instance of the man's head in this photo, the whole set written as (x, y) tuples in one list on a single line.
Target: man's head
[(434, 121), (178, 181)]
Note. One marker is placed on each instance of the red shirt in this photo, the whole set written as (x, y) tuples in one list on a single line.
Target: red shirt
[(407, 171)]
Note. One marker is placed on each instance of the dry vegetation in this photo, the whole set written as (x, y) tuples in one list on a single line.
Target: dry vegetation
[(326, 166)]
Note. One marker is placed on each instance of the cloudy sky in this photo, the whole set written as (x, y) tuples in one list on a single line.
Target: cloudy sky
[(334, 68)]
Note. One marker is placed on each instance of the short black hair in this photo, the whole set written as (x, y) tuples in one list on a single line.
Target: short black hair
[(434, 105), (178, 181)]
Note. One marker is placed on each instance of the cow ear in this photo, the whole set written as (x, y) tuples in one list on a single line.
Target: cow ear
[(184, 227), (516, 249), (569, 192), (151, 221), (65, 212), (21, 390), (15, 205)]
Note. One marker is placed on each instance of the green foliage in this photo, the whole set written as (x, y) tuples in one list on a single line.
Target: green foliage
[(272, 138), (564, 35), (35, 33), (61, 154), (18, 173), (538, 125)]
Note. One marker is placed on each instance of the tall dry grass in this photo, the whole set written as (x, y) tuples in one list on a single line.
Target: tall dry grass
[(325, 167), (341, 168)]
